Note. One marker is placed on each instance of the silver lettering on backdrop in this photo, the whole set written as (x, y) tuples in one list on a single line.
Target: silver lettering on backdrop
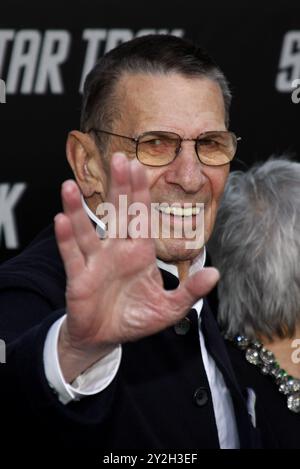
[(9, 197), (2, 351), (289, 62), (33, 60), (296, 91), (100, 41), (2, 92)]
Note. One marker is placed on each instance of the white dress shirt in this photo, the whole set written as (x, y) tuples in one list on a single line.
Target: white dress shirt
[(101, 374)]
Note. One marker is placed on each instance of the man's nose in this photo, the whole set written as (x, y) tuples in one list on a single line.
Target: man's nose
[(187, 170)]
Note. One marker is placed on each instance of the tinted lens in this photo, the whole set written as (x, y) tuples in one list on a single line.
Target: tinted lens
[(216, 148), (157, 148)]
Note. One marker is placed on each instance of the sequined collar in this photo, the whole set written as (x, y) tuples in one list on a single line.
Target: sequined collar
[(257, 354)]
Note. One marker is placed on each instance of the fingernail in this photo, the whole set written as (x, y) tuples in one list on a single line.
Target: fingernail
[(57, 217), (119, 160), (68, 185), (214, 272), (135, 163)]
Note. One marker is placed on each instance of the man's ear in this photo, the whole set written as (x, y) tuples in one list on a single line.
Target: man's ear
[(86, 163)]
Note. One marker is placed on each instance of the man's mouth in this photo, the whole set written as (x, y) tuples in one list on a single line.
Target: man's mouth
[(179, 211)]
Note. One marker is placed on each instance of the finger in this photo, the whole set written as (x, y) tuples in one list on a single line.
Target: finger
[(72, 258), (120, 177), (83, 230), (141, 196), (139, 183), (194, 288), (120, 192)]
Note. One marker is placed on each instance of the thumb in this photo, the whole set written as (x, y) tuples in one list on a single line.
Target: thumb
[(194, 288)]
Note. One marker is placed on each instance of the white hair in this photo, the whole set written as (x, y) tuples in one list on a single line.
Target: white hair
[(256, 247)]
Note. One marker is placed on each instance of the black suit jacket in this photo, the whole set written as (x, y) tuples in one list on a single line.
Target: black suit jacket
[(150, 403)]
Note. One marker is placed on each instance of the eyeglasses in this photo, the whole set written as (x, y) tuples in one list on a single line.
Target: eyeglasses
[(159, 148)]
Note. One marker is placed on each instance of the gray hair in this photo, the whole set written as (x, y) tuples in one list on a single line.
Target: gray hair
[(256, 247)]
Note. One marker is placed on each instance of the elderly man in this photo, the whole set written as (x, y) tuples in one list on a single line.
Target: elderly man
[(103, 353)]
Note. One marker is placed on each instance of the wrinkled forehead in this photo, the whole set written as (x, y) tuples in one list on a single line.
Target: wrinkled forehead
[(170, 102)]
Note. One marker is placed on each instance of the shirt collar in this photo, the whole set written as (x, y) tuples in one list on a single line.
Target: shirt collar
[(197, 264), (100, 226)]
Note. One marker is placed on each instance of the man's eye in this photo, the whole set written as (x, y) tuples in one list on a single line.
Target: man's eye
[(154, 142), (207, 142)]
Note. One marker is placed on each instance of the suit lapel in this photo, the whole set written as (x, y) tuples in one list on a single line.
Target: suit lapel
[(214, 341)]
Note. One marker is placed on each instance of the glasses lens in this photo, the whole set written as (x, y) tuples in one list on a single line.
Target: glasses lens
[(216, 148), (157, 148)]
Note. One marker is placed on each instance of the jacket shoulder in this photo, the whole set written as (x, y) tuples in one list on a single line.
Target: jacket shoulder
[(39, 268)]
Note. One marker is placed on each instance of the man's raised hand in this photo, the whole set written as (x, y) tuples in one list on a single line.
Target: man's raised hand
[(114, 290)]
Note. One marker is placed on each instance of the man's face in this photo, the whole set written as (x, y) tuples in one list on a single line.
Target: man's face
[(188, 107)]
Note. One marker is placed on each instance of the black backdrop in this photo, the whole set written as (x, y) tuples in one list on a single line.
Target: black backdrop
[(46, 49)]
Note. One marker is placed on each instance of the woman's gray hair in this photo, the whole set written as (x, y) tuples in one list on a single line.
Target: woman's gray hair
[(256, 247)]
